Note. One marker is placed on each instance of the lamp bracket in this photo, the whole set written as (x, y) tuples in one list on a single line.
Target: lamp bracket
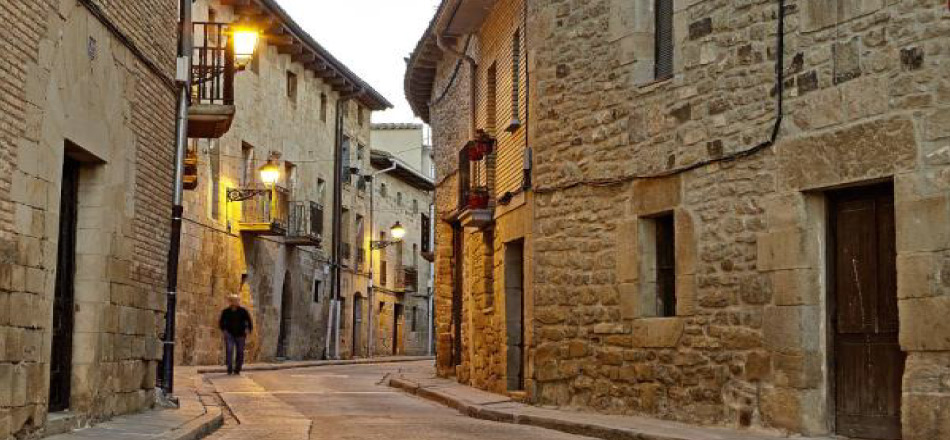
[(242, 194)]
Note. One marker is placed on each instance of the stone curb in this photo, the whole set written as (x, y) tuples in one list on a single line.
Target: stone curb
[(484, 413), (198, 428), (309, 364)]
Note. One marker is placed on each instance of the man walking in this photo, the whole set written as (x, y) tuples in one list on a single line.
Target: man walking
[(236, 324)]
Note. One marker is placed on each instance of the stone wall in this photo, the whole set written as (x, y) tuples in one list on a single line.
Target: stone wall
[(865, 102), (73, 87)]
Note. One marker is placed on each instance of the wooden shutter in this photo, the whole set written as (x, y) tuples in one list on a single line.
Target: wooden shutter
[(426, 232), (664, 39), (316, 218)]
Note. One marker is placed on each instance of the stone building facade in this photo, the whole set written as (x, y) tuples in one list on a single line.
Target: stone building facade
[(288, 104), (86, 150), (483, 248), (716, 240), (404, 196)]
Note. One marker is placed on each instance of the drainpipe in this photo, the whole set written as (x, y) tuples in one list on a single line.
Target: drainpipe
[(371, 290), (167, 376), (333, 338)]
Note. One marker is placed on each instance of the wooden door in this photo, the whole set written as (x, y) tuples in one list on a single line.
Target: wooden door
[(286, 318), (63, 315), (357, 326), (398, 329), (458, 266), (868, 361), (514, 314)]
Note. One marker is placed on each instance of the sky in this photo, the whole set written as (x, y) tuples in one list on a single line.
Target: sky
[(372, 37)]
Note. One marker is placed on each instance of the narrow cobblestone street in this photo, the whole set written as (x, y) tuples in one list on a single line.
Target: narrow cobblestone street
[(347, 402)]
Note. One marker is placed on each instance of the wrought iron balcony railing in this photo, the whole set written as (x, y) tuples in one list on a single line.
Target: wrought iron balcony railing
[(264, 210), (305, 224)]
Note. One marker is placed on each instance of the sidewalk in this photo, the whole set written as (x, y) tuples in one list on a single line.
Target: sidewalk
[(306, 364), (480, 404), (198, 416)]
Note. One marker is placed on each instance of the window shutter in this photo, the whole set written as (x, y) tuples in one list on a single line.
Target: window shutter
[(664, 39), (316, 218), (425, 233)]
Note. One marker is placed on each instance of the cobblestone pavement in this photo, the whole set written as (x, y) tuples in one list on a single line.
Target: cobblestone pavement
[(348, 402)]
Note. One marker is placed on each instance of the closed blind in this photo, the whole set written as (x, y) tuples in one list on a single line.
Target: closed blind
[(664, 39)]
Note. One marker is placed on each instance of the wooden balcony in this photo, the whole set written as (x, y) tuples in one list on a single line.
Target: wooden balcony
[(264, 211), (212, 74), (305, 224), (407, 279)]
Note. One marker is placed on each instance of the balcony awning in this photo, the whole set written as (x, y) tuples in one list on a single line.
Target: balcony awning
[(382, 160)]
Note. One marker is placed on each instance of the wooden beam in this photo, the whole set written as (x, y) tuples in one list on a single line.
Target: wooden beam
[(293, 49), (304, 57), (235, 2), (279, 40)]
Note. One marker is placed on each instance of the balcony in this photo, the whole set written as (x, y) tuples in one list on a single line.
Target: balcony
[(212, 75), (305, 224), (476, 180), (407, 279), (264, 210)]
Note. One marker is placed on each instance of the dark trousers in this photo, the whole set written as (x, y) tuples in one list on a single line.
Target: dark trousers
[(231, 344)]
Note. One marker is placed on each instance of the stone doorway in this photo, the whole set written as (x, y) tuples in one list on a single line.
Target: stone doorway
[(61, 355), (867, 361), (514, 314)]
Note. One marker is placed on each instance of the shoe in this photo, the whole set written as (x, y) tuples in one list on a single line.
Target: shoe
[(230, 373)]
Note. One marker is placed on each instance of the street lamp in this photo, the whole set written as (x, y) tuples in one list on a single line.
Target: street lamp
[(244, 39), (270, 172), (397, 232)]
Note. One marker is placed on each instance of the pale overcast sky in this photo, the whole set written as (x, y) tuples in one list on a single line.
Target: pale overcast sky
[(372, 37)]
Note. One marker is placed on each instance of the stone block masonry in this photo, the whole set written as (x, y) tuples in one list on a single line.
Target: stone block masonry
[(74, 86), (614, 148)]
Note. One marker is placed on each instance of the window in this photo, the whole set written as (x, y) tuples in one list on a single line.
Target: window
[(323, 107), (399, 198), (292, 86), (415, 319), (247, 164), (415, 206), (665, 253), (383, 278), (359, 115), (515, 81), (321, 191), (424, 238), (346, 160), (383, 191), (663, 39), (316, 291)]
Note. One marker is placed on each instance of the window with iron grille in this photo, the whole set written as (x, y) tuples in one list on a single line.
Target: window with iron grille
[(663, 39), (665, 265)]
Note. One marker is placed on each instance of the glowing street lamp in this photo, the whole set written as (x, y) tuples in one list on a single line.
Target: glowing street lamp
[(270, 172), (397, 232), (244, 41)]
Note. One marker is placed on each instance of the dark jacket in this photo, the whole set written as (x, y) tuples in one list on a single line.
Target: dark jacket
[(237, 321)]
